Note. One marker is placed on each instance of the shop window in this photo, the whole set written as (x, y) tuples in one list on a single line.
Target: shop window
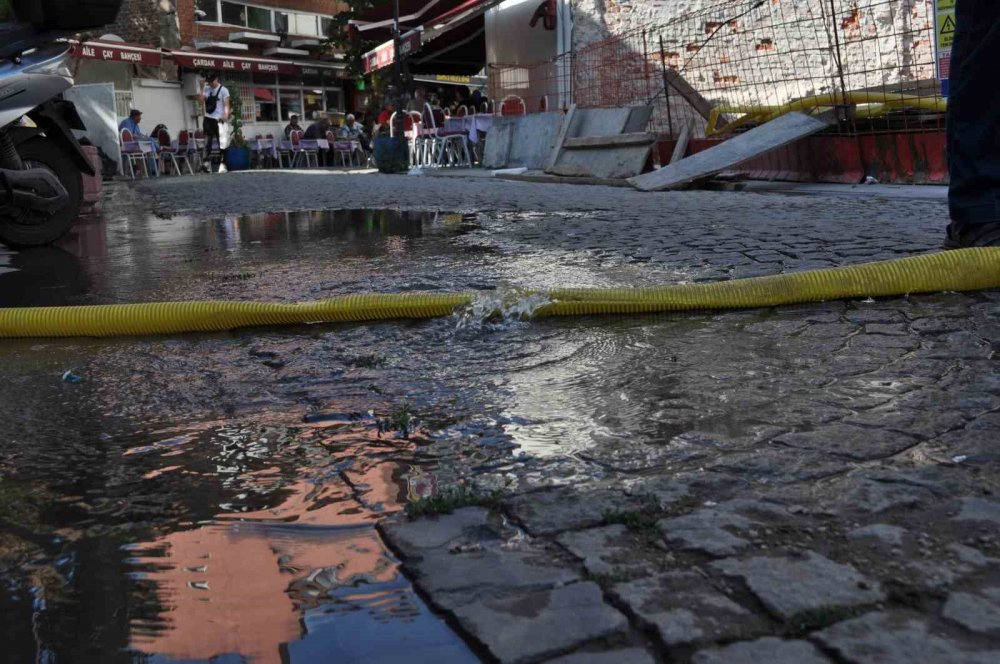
[(259, 18), (211, 9), (291, 103), (281, 22), (334, 100), (313, 103), (325, 24), (266, 104), (234, 14), (302, 24)]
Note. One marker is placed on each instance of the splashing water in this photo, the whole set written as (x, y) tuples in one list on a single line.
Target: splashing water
[(499, 309)]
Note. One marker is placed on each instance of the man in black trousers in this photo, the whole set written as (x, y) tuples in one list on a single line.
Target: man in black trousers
[(974, 126)]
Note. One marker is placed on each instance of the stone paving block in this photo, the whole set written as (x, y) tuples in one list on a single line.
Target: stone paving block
[(777, 467), (977, 612), (625, 656), (852, 442), (684, 608), (792, 586), (769, 649), (603, 550), (532, 626), (882, 532), (707, 530), (898, 638), (876, 497), (921, 423), (463, 525), (978, 509), (666, 490), (460, 577), (550, 512)]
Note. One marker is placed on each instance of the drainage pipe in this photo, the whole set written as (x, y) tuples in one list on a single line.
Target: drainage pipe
[(960, 270)]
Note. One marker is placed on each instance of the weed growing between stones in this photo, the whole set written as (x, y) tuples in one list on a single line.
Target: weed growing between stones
[(450, 500), (810, 621), (641, 520), (617, 575)]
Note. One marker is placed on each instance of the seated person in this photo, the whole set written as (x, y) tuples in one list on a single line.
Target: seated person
[(382, 123), (293, 125), (132, 124), (353, 131), (317, 131)]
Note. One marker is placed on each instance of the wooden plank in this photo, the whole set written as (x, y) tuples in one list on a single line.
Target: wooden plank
[(760, 140), (620, 140), (563, 132), (556, 179), (690, 95), (682, 144)]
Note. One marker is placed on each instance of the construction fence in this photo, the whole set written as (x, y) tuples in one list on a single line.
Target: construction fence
[(735, 64)]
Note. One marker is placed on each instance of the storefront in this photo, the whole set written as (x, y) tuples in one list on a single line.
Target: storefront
[(271, 90)]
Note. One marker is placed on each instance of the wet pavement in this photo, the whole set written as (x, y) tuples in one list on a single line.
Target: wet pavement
[(660, 478)]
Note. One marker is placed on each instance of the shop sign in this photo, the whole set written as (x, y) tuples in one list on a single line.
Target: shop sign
[(117, 53), (383, 56), (223, 64), (944, 37)]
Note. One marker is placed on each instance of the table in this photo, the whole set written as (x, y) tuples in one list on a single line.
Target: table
[(473, 124)]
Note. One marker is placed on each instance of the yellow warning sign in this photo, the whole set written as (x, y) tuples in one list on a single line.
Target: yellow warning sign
[(944, 35), (946, 30)]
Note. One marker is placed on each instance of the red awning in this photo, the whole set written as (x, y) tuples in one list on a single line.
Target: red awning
[(224, 63), (135, 54), (456, 28), (263, 94)]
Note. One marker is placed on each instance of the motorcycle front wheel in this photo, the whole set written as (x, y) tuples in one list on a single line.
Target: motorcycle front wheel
[(28, 228)]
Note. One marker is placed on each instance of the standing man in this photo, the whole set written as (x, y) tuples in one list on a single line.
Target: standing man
[(974, 126), (215, 98)]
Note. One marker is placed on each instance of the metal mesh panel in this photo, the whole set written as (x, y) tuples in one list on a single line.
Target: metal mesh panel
[(738, 63)]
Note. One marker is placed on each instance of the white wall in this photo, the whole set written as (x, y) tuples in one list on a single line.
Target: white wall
[(161, 102)]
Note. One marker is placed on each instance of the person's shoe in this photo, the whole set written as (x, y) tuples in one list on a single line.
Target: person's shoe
[(973, 235), (205, 168), (222, 168)]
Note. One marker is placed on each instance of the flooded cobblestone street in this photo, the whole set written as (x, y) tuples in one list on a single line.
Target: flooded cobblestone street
[(809, 483)]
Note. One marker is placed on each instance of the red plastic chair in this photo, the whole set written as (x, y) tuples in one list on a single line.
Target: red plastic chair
[(175, 155), (132, 153), (512, 105)]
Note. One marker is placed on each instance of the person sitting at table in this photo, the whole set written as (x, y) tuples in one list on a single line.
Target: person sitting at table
[(384, 119), (293, 125), (353, 131), (317, 131), (132, 124)]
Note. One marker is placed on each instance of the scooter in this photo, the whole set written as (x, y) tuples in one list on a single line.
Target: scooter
[(41, 162)]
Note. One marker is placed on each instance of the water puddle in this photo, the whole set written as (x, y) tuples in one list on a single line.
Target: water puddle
[(214, 497)]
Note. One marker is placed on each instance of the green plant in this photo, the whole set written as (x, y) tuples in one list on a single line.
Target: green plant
[(236, 138), (449, 500), (641, 520)]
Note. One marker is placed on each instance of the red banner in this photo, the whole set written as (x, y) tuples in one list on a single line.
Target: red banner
[(383, 56), (224, 63), (136, 55)]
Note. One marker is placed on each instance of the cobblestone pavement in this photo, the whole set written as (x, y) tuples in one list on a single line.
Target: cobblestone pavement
[(808, 484)]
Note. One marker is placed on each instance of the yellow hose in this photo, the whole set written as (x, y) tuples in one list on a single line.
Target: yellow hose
[(961, 270)]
